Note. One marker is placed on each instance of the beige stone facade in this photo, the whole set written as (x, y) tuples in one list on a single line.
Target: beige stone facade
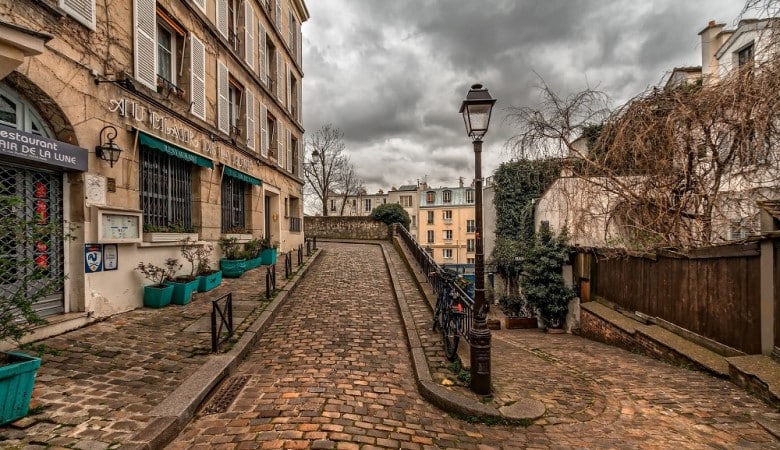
[(446, 224), (204, 99)]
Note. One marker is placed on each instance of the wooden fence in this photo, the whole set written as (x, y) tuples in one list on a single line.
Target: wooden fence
[(715, 292)]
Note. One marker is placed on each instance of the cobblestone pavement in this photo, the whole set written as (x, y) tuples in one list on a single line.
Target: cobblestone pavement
[(333, 371), (97, 384)]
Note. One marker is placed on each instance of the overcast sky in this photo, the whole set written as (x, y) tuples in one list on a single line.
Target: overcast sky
[(391, 74)]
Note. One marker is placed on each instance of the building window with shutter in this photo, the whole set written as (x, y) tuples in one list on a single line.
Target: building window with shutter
[(166, 190), (447, 235), (471, 226), (430, 217), (430, 197), (471, 245), (273, 136), (447, 253), (367, 205), (233, 38), (235, 98), (170, 44), (233, 205), (446, 196), (295, 157), (430, 236)]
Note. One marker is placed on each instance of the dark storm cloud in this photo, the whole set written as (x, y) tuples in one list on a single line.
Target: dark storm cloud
[(391, 74)]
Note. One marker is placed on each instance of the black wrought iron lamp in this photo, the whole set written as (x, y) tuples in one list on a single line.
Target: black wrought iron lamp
[(476, 110), (108, 150)]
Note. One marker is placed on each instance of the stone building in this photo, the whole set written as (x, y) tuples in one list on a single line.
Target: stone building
[(447, 224), (202, 97)]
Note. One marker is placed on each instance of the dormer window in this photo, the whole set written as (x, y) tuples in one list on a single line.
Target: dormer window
[(745, 56)]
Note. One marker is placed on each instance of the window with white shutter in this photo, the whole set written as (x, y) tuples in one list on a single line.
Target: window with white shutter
[(263, 60), (223, 102), (145, 45), (263, 131), (288, 94), (222, 17), (250, 120), (83, 11), (197, 77), (201, 4), (289, 152), (249, 35), (291, 30), (279, 15), (280, 149), (279, 79), (299, 42)]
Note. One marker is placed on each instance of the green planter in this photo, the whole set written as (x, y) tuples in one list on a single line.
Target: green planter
[(210, 281), (17, 379), (232, 268), (182, 291), (157, 297), (269, 256), (254, 263)]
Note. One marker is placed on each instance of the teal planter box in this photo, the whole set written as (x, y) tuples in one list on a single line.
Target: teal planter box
[(210, 281), (254, 263), (157, 297), (182, 292), (232, 268), (269, 256), (16, 386)]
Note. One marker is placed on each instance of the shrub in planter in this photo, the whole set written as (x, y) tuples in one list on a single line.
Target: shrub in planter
[(209, 277), (542, 280), (158, 294), (233, 265), (252, 250)]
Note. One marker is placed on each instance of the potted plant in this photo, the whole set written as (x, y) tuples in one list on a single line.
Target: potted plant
[(209, 277), (233, 264), (519, 313), (158, 294), (268, 253), (185, 285), (252, 249), (32, 282)]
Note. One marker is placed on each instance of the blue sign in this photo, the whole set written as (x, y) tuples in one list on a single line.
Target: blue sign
[(93, 258)]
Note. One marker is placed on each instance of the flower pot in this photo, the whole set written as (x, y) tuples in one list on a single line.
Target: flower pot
[(515, 323), (17, 379), (182, 290), (209, 281), (269, 256), (157, 296), (232, 268)]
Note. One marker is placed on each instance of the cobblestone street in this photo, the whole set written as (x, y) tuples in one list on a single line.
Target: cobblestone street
[(333, 371)]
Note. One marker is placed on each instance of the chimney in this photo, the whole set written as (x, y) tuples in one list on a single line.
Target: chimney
[(711, 40), (460, 181)]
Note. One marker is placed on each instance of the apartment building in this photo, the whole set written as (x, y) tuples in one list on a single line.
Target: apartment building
[(355, 205), (447, 224), (407, 196), (141, 122)]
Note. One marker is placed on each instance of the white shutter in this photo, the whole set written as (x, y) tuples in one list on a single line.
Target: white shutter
[(299, 42), (287, 80), (290, 29), (289, 152), (249, 35), (198, 77), (263, 56), (279, 16), (263, 130), (279, 78), (250, 120), (280, 144), (222, 17), (200, 4), (223, 104), (81, 10), (145, 45), (299, 152), (300, 101)]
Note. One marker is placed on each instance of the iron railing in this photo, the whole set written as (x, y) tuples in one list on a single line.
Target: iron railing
[(439, 278), (222, 329)]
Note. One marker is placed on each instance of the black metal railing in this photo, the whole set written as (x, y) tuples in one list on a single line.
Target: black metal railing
[(288, 265), (300, 255), (439, 278), (270, 281), (221, 332)]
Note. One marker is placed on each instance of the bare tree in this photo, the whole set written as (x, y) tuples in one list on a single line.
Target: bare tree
[(350, 184), (670, 167), (328, 171)]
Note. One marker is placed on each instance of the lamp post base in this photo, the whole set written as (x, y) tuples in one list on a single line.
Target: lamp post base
[(480, 338)]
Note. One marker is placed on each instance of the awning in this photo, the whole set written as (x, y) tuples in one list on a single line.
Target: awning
[(233, 173), (177, 152)]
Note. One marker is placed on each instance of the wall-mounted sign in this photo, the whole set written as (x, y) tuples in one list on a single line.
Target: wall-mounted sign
[(118, 226), (110, 256), (42, 150), (93, 258)]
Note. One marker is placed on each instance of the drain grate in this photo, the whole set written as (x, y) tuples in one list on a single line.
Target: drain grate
[(226, 395)]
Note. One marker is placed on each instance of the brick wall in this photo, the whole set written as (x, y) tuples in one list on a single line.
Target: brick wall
[(338, 227)]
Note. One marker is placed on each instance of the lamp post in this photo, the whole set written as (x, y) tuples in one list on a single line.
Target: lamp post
[(476, 109)]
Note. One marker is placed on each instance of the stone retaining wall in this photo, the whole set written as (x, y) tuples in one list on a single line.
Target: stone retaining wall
[(338, 227)]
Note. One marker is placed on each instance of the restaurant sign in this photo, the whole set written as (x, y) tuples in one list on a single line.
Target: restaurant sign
[(42, 150)]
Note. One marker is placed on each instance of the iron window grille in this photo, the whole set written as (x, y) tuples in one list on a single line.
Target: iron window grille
[(233, 204), (166, 190)]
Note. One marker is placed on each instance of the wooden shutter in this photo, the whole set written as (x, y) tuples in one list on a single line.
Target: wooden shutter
[(291, 29), (83, 11), (280, 144), (249, 35), (263, 56), (287, 88), (222, 17), (299, 45), (263, 130), (200, 4), (145, 45), (250, 119), (279, 78), (289, 152), (197, 77), (223, 116), (279, 16)]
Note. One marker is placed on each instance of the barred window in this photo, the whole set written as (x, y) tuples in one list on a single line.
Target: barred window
[(166, 191), (233, 205)]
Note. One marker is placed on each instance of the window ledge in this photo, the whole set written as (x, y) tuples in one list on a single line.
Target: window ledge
[(240, 237), (169, 237)]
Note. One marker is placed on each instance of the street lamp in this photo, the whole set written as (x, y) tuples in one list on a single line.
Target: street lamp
[(476, 109)]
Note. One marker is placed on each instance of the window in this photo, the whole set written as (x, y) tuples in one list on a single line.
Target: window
[(367, 205), (430, 196), (447, 235), (15, 113), (294, 104), (233, 205), (406, 201), (333, 205), (430, 217), (158, 48), (235, 97), (446, 196), (447, 215), (273, 136), (166, 190), (295, 161), (745, 56), (470, 196), (232, 11), (166, 53), (431, 236), (471, 245), (471, 226), (414, 221), (470, 260), (447, 253), (83, 11), (272, 66)]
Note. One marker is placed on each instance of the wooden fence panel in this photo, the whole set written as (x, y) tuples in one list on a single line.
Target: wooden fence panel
[(716, 295)]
